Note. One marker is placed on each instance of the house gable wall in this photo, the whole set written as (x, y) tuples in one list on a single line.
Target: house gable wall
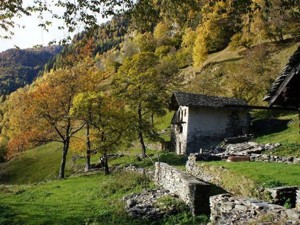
[(208, 126)]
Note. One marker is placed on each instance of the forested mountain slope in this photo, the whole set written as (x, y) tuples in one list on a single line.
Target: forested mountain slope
[(19, 67)]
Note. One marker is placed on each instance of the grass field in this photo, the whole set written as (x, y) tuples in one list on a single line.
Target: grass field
[(288, 135), (264, 174), (30, 193), (93, 199)]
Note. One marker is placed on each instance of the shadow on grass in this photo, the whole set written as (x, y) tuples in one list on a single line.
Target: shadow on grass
[(173, 159), (7, 215), (268, 126)]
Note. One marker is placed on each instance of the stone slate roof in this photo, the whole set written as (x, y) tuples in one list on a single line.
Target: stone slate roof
[(198, 100), (291, 71)]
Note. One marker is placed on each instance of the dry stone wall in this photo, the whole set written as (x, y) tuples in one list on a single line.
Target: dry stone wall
[(223, 178), (274, 159), (298, 200), (192, 191), (284, 196), (229, 210)]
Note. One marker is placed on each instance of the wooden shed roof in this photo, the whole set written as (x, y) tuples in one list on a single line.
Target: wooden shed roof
[(198, 100), (285, 91)]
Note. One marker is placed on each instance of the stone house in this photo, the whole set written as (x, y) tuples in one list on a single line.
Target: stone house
[(201, 121)]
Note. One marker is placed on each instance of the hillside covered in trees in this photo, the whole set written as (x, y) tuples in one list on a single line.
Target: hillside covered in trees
[(19, 67), (115, 80)]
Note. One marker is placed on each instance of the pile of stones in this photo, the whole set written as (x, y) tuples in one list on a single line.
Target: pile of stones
[(226, 209), (251, 149), (134, 168), (273, 158), (245, 148), (146, 205)]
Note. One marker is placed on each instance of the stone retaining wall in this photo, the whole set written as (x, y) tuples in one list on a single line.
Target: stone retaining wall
[(192, 191), (229, 210), (298, 200), (283, 196), (274, 159), (223, 178)]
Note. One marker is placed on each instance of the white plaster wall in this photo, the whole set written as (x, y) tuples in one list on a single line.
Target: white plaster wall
[(206, 125), (181, 138), (208, 120)]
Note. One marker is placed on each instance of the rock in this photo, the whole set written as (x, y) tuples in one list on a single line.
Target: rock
[(293, 214), (238, 139), (260, 205), (130, 202), (248, 211), (145, 205), (296, 161)]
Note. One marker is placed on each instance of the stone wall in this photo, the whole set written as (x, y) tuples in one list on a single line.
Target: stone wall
[(274, 159), (298, 200), (223, 178), (192, 191), (229, 210), (283, 196)]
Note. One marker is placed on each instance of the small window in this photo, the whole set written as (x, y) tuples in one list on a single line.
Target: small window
[(184, 112), (180, 129)]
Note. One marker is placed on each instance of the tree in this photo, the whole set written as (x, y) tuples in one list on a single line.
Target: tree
[(50, 106), (251, 78), (143, 82), (272, 19), (144, 16), (108, 118), (215, 31), (74, 13), (8, 10)]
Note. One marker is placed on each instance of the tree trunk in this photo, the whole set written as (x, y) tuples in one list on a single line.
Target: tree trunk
[(64, 158), (106, 168), (299, 118), (88, 148), (152, 119), (140, 131)]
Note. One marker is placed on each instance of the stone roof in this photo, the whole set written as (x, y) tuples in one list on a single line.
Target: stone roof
[(287, 80), (199, 100)]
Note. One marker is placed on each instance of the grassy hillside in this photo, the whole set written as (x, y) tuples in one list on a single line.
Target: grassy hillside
[(265, 174), (282, 129), (93, 199), (41, 163), (79, 199), (242, 73)]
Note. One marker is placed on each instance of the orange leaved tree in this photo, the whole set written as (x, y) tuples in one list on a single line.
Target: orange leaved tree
[(51, 103)]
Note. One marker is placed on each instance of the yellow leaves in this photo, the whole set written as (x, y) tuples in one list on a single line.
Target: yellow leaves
[(200, 51), (214, 33), (188, 38), (161, 31)]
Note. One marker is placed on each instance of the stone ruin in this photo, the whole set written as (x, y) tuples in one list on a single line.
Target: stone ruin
[(242, 146), (224, 208), (229, 210), (146, 205)]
